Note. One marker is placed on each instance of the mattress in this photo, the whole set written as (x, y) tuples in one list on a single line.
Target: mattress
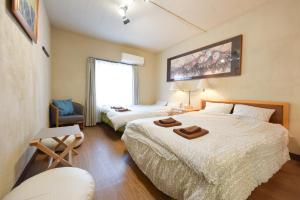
[(120, 119), (229, 163)]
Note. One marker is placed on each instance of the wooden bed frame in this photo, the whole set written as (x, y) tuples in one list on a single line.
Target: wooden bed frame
[(280, 116)]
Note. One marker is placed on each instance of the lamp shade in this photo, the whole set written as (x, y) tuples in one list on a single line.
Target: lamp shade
[(187, 86), (203, 84), (173, 87)]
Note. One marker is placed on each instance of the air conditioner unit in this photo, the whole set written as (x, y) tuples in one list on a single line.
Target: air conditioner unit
[(132, 59)]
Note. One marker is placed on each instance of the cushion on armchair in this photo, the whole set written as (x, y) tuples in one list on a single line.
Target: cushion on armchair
[(65, 107)]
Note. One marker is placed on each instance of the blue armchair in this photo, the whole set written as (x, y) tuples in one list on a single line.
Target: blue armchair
[(57, 120)]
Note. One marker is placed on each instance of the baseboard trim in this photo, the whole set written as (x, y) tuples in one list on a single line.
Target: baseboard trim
[(295, 156)]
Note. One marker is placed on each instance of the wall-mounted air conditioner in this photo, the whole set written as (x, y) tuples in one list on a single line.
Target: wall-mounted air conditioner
[(132, 59)]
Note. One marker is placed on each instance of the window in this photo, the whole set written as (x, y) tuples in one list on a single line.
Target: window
[(114, 83)]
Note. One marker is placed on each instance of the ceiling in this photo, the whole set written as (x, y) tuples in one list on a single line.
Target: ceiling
[(150, 27)]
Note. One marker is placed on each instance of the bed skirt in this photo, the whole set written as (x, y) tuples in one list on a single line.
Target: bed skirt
[(179, 183)]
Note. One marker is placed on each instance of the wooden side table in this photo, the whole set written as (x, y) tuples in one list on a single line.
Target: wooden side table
[(183, 110), (56, 134), (191, 109)]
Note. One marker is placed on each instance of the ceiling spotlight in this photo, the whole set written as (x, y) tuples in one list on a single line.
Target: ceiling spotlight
[(122, 12), (125, 20)]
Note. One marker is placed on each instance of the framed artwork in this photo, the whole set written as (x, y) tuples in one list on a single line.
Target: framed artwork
[(216, 60), (27, 13)]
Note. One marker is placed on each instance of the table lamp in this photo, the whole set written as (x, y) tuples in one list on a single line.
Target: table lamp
[(189, 86)]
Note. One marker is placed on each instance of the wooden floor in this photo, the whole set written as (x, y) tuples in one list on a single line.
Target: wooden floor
[(104, 155)]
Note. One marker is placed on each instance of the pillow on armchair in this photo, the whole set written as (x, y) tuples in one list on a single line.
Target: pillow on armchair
[(65, 106)]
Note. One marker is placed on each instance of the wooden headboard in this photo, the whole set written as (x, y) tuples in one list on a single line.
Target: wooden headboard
[(280, 116)]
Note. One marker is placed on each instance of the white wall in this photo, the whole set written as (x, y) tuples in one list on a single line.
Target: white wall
[(25, 92), (70, 52), (270, 66)]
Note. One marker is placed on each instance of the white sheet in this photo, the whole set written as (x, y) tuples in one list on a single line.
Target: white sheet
[(120, 119), (234, 147)]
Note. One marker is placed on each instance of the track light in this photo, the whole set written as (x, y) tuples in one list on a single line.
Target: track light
[(122, 12), (125, 20)]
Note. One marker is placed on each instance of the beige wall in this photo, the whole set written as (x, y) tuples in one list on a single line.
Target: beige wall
[(270, 68), (25, 92), (70, 52)]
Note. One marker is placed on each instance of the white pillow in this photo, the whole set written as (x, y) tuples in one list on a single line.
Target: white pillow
[(262, 114), (223, 108), (161, 103)]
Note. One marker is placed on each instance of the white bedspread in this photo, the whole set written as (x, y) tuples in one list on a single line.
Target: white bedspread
[(234, 147), (120, 119)]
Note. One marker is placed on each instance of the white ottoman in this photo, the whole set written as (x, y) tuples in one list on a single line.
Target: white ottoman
[(66, 183), (50, 143)]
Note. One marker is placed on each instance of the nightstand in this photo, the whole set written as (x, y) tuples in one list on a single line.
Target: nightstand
[(177, 111), (192, 109)]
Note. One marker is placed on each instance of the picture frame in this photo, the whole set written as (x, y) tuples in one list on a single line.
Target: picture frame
[(27, 13), (221, 59)]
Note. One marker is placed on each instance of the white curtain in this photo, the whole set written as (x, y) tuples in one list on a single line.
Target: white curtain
[(91, 108), (135, 85)]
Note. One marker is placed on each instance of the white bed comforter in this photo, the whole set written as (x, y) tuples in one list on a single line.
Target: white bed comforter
[(252, 148), (120, 119)]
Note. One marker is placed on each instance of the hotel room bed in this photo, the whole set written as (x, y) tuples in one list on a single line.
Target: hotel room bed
[(236, 156), (118, 120)]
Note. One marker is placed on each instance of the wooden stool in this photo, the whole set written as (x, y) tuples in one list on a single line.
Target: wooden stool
[(60, 135)]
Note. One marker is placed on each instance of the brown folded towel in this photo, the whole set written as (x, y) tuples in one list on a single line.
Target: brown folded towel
[(193, 135), (190, 130), (116, 107), (169, 120), (122, 110), (158, 123)]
